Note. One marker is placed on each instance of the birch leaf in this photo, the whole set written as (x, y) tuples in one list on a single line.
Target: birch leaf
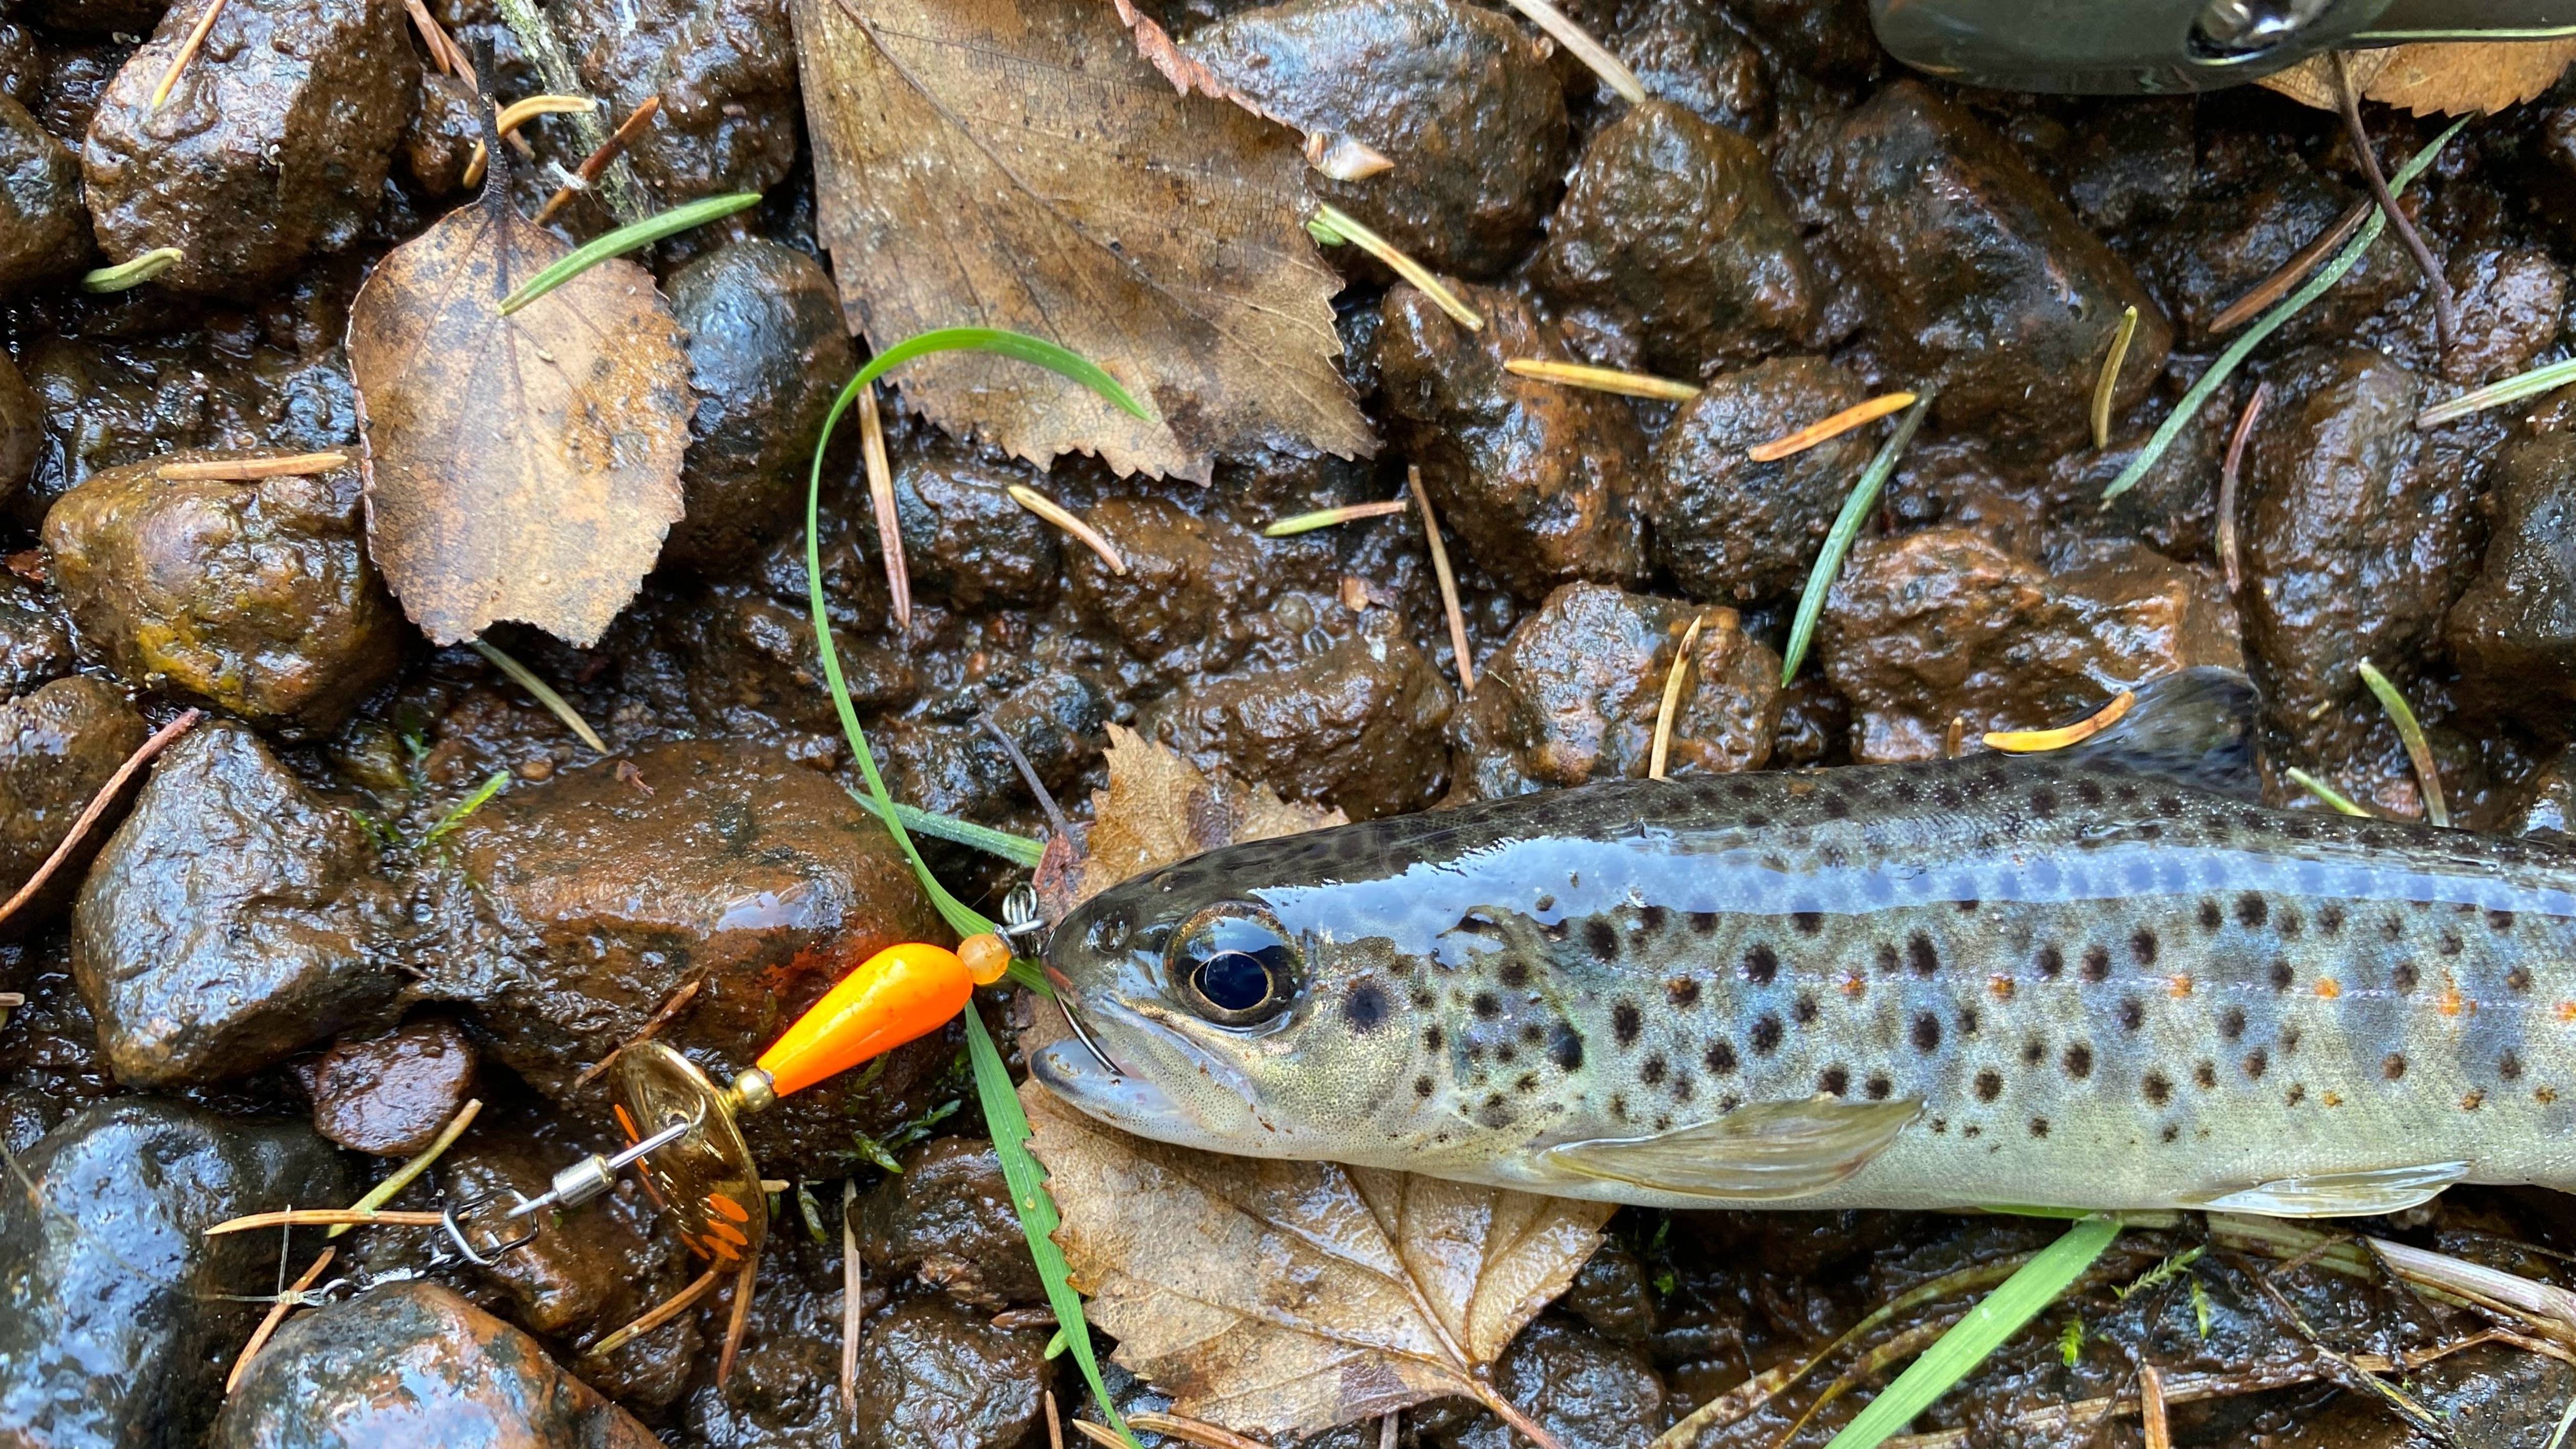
[(522, 467), (2434, 78)]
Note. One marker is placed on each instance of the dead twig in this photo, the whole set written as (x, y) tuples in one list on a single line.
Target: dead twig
[(661, 1313), (2446, 316), (97, 806), (741, 1319), (325, 1218), (854, 1303), (188, 49), (586, 175), (2151, 1408), (1592, 53), (1448, 581), (2228, 475), (1028, 775), (444, 52), (872, 449), (248, 470)]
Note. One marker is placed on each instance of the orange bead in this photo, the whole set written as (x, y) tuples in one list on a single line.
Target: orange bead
[(900, 993), (986, 957)]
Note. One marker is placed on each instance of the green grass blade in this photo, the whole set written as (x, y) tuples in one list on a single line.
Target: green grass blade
[(2410, 733), (1038, 1217), (2270, 322), (1017, 849), (631, 237), (1864, 497), (2341, 803), (1996, 1318), (466, 807)]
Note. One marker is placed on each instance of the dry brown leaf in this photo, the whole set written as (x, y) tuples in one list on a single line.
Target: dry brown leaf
[(1280, 1299), (1343, 158), (1017, 164), (2446, 78), (522, 467)]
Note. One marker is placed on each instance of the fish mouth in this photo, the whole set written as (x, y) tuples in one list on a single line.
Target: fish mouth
[(1085, 1076)]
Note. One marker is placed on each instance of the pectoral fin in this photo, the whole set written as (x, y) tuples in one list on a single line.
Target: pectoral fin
[(1762, 1153), (2362, 1194)]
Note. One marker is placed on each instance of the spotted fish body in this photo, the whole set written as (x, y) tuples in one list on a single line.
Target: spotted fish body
[(1992, 980)]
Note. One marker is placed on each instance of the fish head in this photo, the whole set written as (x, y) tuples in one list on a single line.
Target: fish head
[(1225, 1020)]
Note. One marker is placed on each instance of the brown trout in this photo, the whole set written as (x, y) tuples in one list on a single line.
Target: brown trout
[(2090, 979)]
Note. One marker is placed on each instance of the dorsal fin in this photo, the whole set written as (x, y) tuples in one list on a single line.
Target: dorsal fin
[(2194, 725)]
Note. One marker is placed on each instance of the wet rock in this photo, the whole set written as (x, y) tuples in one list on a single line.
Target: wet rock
[(947, 762), (44, 227), (233, 918), (1981, 282), (947, 1220), (588, 1273), (2130, 164), (274, 143), (22, 429), (1572, 696), (1830, 40), (2544, 808), (2356, 534), (964, 536), (1190, 601), (58, 746), (1357, 726), (1729, 528), (438, 145), (1586, 1393), (2253, 206), (1675, 222), (1693, 56), (413, 1363), (1536, 480), (726, 73), (110, 1331), (1611, 1294), (387, 1096), (2509, 301), (767, 350), (579, 908), (785, 1391), (257, 598), (1457, 96), (1943, 624), (2514, 632), (932, 1376), (35, 638)]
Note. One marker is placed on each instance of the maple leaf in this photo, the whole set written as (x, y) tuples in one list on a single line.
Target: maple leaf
[(523, 466), (2448, 78), (1281, 1298), (1016, 164)]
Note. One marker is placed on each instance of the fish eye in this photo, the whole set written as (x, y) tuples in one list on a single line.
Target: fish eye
[(1234, 966)]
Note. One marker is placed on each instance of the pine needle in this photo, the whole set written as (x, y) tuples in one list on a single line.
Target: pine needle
[(854, 1311), (661, 1313), (1584, 48), (250, 470), (555, 704), (1333, 226), (586, 175), (2287, 275), (1331, 517), (1448, 582), (1825, 430), (2033, 742), (2496, 394), (2341, 802), (1672, 699), (97, 806), (2108, 384), (1601, 379), (188, 49), (518, 113), (1829, 563), (2410, 731), (1072, 523), (880, 471), (632, 237), (127, 275), (2230, 475), (276, 1315)]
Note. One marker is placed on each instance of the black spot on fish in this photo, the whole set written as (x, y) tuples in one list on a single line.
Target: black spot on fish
[(1505, 1054), (2159, 1090), (1920, 955), (1565, 1048), (2126, 793), (1761, 964), (2252, 910), (1877, 1088), (1525, 1083), (2170, 1133), (1532, 1033), (2211, 917), (2043, 803), (2142, 944), (1655, 919), (1423, 1000), (1968, 1021), (2088, 792), (1803, 1010), (2097, 964), (2299, 830), (1365, 1010), (1652, 1070), (1720, 1057), (1833, 1081), (1807, 922), (1682, 1086), (1514, 974), (1422, 1086), (1950, 797), (1431, 1038), (1757, 821), (2257, 1062), (2518, 978), (2392, 926), (2168, 806), (2288, 922), (2298, 1093), (2052, 963), (1601, 939), (2038, 1126), (2289, 1038), (2033, 1052), (2282, 975), (2393, 1066), (1496, 1112), (1990, 1085), (1705, 923), (1626, 1021), (2330, 919), (1835, 806), (2499, 920), (2509, 1066), (1766, 1034), (1487, 1006), (1740, 789), (1887, 958), (2450, 943), (1927, 1032), (2231, 1022), (1619, 1106), (1682, 992), (2405, 977), (1967, 905), (2079, 1060), (2133, 1013), (2205, 1076)]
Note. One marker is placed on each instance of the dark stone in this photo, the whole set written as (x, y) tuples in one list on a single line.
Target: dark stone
[(413, 1363), (35, 637), (944, 760), (438, 144), (1191, 599), (964, 536), (726, 73), (1981, 283), (1573, 694), (1611, 1294), (58, 746), (582, 906), (1586, 1393), (2514, 632), (111, 1333), (1536, 480), (932, 1376), (235, 917), (1358, 726), (387, 1096), (1732, 529), (1456, 95), (1675, 222), (273, 144), (22, 429), (44, 225), (1694, 56), (257, 598), (947, 1220), (767, 351)]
